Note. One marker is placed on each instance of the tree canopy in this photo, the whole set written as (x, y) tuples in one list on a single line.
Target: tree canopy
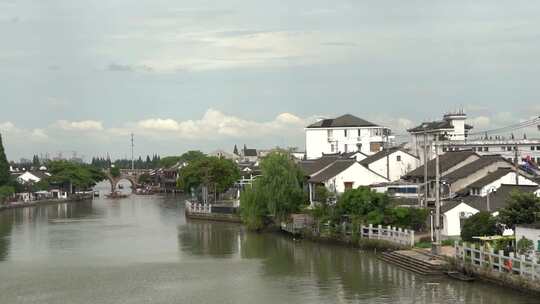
[(4, 165), (214, 173), (521, 209), (480, 224), (278, 192), (80, 176), (363, 203)]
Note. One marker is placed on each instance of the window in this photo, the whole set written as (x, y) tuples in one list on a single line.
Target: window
[(398, 158), (538, 160), (346, 147), (538, 148), (375, 146), (532, 148), (444, 149), (348, 185), (330, 133), (486, 149), (359, 132), (509, 148), (474, 149), (332, 148), (345, 132)]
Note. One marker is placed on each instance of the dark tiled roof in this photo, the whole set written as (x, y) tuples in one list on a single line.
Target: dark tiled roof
[(351, 154), (250, 152), (497, 199), (447, 161), (491, 177), (382, 154), (473, 167), (334, 169), (313, 166), (432, 126), (346, 120)]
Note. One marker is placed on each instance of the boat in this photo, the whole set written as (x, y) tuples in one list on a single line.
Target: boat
[(459, 276)]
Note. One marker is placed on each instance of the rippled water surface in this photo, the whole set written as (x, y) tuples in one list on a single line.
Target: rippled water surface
[(143, 250)]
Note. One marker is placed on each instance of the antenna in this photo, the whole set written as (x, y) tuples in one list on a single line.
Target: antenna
[(132, 145)]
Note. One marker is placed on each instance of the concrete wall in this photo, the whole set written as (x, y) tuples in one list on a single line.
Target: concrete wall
[(397, 168), (451, 219), (529, 233)]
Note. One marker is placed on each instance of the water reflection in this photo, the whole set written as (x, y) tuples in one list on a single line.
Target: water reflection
[(200, 238)]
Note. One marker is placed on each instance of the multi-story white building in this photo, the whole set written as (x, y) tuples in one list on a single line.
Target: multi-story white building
[(455, 136), (344, 134)]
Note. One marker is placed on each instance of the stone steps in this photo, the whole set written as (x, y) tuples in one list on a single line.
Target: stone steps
[(419, 264)]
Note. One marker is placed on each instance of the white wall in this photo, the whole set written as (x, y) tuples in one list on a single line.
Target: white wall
[(317, 141), (451, 219), (397, 168), (529, 233), (509, 179), (464, 182), (358, 174)]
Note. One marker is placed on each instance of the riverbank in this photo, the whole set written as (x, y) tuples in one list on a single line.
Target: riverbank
[(44, 203)]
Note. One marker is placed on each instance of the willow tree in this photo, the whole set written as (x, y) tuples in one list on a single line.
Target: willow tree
[(277, 193)]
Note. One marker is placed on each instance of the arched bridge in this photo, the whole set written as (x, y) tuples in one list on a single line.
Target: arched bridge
[(126, 174)]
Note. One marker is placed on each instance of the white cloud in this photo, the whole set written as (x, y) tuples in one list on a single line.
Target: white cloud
[(215, 124), (84, 125), (7, 126), (480, 122)]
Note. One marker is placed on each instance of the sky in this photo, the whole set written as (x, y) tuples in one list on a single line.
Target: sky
[(83, 75)]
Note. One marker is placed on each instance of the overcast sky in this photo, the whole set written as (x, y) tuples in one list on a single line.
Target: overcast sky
[(83, 75)]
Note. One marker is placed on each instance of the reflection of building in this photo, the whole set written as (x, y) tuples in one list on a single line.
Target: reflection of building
[(344, 134)]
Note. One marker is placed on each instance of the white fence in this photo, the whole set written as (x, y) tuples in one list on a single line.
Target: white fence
[(478, 257), (391, 234), (193, 207)]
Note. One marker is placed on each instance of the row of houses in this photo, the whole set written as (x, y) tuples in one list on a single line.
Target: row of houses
[(475, 175)]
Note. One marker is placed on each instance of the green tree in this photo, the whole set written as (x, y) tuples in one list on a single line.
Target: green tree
[(5, 192), (144, 179), (169, 161), (4, 165), (364, 204), (521, 209), (191, 156), (115, 171), (480, 224), (525, 246), (278, 192), (72, 175), (216, 174), (410, 218)]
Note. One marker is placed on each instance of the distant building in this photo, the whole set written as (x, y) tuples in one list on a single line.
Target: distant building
[(456, 136), (344, 134)]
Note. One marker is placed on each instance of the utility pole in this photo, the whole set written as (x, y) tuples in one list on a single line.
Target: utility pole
[(387, 155), (425, 170), (132, 161), (516, 163), (436, 247)]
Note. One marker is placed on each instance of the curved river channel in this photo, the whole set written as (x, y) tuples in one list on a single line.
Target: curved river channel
[(142, 250)]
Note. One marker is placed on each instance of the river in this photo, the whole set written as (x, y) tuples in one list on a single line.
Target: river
[(143, 250)]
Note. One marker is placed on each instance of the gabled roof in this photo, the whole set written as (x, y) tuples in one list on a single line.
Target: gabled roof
[(432, 126), (497, 200), (346, 120), (491, 177), (473, 167), (382, 154), (334, 169), (313, 166), (447, 161), (250, 152)]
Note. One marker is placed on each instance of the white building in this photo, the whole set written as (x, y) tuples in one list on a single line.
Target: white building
[(392, 163), (338, 174), (451, 128), (456, 136), (344, 134)]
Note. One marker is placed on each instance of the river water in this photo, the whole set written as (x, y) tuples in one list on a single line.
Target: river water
[(143, 250)]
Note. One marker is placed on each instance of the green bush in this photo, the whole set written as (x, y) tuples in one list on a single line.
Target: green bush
[(480, 224)]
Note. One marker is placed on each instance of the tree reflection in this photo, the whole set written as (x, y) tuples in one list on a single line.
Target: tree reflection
[(212, 239)]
